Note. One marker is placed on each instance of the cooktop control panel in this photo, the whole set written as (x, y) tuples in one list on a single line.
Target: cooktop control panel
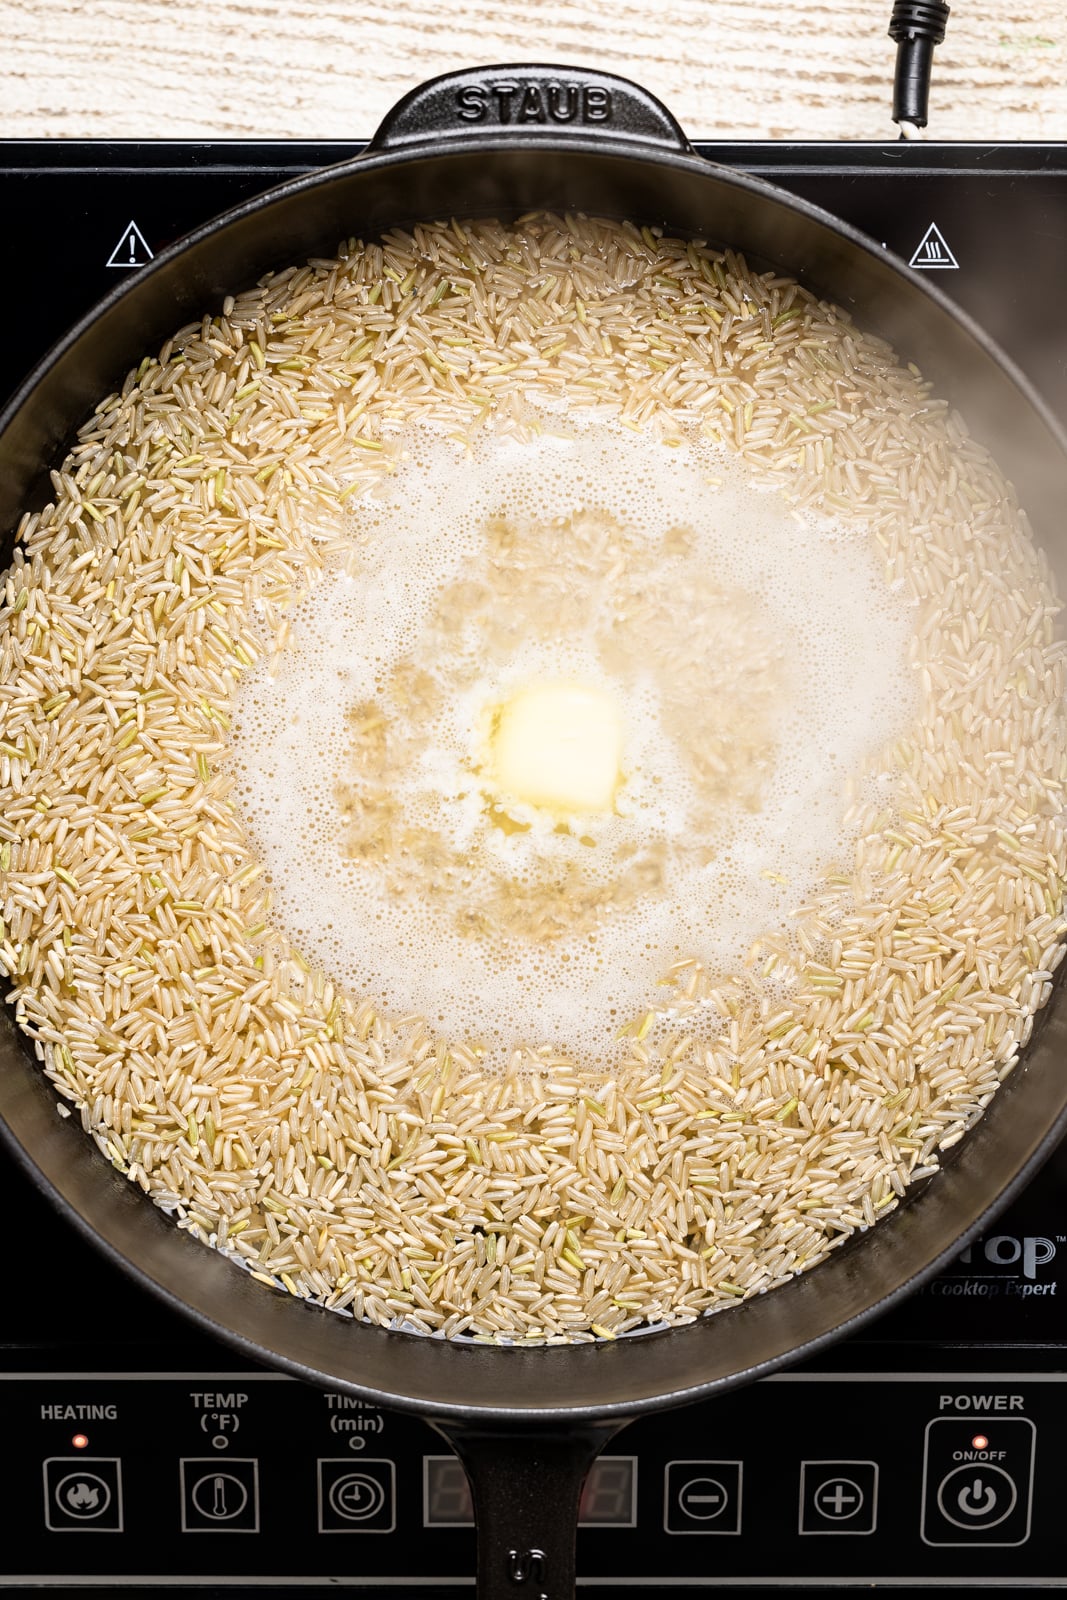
[(807, 1477)]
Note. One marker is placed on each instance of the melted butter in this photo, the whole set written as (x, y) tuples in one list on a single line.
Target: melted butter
[(557, 746)]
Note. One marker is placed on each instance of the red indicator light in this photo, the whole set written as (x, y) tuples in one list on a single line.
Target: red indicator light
[(980, 1442), (80, 1440)]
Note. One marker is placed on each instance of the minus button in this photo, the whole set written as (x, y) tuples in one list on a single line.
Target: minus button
[(702, 1497)]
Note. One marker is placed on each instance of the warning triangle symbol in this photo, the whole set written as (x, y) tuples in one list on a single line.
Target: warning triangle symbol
[(131, 250), (932, 251)]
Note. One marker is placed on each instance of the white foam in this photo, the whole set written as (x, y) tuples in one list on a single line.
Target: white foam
[(807, 594)]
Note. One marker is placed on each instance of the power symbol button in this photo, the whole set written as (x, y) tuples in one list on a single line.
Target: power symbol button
[(977, 1499), (977, 1496), (978, 1480)]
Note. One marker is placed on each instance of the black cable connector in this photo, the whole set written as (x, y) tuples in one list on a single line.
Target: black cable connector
[(916, 27)]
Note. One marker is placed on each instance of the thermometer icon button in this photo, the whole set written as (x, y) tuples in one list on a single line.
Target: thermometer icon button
[(220, 1497)]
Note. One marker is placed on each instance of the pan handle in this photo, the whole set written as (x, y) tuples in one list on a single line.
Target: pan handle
[(528, 102), (526, 1482)]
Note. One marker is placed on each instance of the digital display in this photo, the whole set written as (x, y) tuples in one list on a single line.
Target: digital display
[(447, 1494), (609, 1496)]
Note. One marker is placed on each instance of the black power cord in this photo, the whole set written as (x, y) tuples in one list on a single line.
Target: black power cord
[(916, 27)]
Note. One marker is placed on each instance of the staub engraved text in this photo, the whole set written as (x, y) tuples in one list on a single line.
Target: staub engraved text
[(507, 102)]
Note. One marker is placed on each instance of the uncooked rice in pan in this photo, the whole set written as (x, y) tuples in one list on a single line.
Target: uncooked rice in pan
[(756, 1113)]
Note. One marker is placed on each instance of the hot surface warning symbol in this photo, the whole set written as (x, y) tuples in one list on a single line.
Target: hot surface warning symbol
[(131, 250), (932, 251)]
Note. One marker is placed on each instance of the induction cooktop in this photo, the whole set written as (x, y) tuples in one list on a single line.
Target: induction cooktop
[(143, 1456)]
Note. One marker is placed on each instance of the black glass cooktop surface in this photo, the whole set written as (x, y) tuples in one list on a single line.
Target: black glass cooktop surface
[(923, 1450)]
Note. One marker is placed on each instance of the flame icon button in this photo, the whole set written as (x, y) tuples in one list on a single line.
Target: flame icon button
[(83, 1495)]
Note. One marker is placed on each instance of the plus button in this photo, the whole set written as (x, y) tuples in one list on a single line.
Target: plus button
[(838, 1499), (838, 1496)]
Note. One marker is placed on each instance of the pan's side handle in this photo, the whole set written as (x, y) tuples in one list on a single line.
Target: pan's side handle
[(528, 102), (526, 1482)]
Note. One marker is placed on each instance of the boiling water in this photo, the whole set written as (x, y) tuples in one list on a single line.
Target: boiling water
[(758, 660)]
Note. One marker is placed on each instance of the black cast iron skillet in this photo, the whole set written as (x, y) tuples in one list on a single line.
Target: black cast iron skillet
[(527, 1422)]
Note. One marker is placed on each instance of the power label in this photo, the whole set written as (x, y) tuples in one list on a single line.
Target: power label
[(978, 1480)]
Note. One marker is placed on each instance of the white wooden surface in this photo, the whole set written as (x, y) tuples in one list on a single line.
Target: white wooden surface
[(330, 68)]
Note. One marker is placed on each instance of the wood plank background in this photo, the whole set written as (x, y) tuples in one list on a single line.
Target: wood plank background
[(330, 68)]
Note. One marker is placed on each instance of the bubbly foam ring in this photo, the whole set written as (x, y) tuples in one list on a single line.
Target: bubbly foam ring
[(361, 764)]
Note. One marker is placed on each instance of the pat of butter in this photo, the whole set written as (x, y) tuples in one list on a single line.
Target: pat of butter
[(558, 746)]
